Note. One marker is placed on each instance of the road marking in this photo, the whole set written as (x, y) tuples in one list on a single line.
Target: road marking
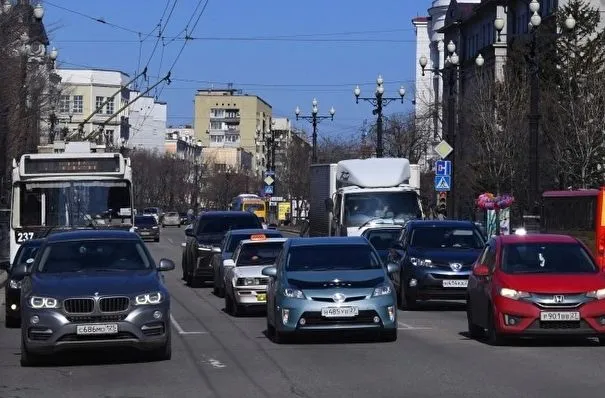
[(179, 328), (215, 363), (405, 326), (171, 241)]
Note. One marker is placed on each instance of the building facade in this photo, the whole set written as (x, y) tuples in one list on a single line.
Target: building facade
[(180, 142), (85, 90), (226, 118), (147, 118), (221, 160)]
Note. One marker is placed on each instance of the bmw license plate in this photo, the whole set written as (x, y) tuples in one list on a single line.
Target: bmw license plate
[(339, 312), (559, 316), (110, 328), (455, 283), (144, 233)]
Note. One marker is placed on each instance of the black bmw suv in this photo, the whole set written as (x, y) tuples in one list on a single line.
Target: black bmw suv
[(204, 239)]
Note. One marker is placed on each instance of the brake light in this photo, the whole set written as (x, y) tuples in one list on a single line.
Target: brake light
[(258, 237)]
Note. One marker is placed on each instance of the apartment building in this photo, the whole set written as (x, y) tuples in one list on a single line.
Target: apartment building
[(83, 91), (227, 118), (147, 119), (180, 142)]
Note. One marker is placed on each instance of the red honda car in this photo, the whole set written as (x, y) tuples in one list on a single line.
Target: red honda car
[(535, 285)]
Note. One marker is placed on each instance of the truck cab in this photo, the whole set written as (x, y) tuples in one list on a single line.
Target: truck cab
[(365, 193)]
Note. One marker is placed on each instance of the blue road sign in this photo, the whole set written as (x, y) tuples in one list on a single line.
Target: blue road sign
[(443, 183), (268, 189), (443, 168)]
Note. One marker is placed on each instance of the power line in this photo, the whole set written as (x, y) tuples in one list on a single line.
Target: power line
[(252, 39)]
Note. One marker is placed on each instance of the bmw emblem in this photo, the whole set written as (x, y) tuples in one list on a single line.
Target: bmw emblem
[(456, 266), (339, 298)]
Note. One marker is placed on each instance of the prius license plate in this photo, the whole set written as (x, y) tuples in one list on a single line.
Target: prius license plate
[(339, 312)]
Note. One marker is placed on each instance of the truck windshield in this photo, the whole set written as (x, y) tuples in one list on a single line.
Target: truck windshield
[(73, 203), (398, 206)]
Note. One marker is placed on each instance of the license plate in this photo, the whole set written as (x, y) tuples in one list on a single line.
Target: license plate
[(339, 312), (560, 316), (455, 283), (144, 233), (110, 328), (261, 297)]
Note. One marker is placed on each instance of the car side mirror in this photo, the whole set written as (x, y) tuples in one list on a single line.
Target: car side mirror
[(393, 268), (5, 265), (20, 271), (166, 265), (229, 263), (189, 231), (329, 203), (216, 249), (481, 270), (270, 272)]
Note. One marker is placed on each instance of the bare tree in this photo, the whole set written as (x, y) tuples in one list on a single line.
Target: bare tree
[(295, 176), (225, 184)]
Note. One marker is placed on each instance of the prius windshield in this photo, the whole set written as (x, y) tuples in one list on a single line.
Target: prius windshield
[(332, 257)]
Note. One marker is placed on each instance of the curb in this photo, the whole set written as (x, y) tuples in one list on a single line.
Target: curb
[(3, 278)]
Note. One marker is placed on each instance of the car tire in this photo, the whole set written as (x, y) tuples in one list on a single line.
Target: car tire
[(270, 330), (474, 331), (12, 322), (27, 358), (493, 336), (179, 225), (389, 336)]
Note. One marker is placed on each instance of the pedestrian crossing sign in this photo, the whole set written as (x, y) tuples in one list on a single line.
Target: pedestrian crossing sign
[(442, 183)]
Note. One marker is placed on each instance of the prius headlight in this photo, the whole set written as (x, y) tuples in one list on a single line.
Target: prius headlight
[(598, 294), (382, 291), (149, 298), (293, 293), (43, 302)]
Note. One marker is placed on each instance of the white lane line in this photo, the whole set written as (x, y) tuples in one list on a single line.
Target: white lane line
[(171, 241), (405, 326), (179, 328), (215, 363)]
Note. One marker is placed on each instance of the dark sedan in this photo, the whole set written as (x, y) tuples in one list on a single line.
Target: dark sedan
[(94, 289), (436, 259), (383, 238), (147, 227), (12, 291)]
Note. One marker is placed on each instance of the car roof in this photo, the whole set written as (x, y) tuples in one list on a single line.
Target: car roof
[(378, 228), (441, 223), (536, 238), (32, 242), (252, 231), (269, 240), (86, 234), (329, 241), (226, 213)]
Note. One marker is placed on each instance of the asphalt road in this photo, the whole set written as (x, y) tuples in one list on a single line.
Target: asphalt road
[(215, 355)]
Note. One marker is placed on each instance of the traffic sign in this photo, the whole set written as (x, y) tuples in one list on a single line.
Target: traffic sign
[(443, 149), (268, 189), (443, 183), (269, 180), (443, 168)]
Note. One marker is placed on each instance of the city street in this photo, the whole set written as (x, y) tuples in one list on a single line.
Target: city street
[(216, 355)]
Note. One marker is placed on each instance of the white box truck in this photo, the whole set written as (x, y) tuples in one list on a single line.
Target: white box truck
[(352, 195)]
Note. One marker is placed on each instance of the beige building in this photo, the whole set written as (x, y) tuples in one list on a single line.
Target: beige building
[(179, 142), (226, 118), (83, 90), (227, 159)]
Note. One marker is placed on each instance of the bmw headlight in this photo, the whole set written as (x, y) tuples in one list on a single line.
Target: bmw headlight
[(598, 294), (513, 294), (43, 302), (293, 293), (13, 284), (149, 298), (421, 262), (382, 291)]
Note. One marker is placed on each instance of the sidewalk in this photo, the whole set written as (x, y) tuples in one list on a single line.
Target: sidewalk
[(3, 276)]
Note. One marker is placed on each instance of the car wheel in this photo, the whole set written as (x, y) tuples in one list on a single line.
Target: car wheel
[(165, 352), (474, 331), (601, 340), (389, 335), (179, 225), (27, 358), (270, 330), (493, 336), (12, 321)]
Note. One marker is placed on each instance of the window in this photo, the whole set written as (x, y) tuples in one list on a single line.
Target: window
[(232, 138), (216, 125), (332, 257), (382, 239), (220, 225), (216, 138), (110, 107), (78, 104), (547, 258), (98, 102), (220, 167), (446, 238), (145, 221), (217, 113), (259, 253), (64, 104)]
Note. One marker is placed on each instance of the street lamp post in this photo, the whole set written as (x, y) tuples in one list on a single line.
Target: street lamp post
[(379, 101), (314, 118), (534, 100), (451, 64)]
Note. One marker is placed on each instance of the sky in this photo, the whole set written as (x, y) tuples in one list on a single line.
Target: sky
[(287, 52)]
